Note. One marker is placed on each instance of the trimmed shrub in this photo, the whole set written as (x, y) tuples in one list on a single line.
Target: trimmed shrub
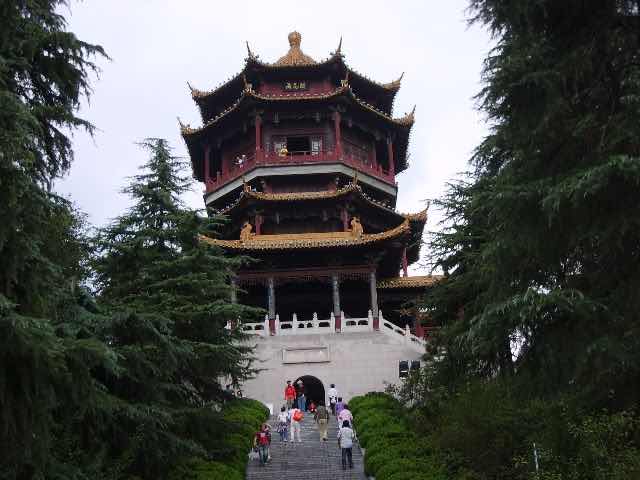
[(393, 449)]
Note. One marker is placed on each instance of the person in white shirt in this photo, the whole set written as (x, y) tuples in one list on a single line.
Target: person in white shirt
[(283, 424), (333, 398), (345, 438), (295, 424)]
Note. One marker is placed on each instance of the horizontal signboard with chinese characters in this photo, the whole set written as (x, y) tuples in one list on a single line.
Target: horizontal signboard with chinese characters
[(295, 86)]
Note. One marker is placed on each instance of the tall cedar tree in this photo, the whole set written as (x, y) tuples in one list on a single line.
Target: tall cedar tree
[(171, 293), (44, 370), (544, 247)]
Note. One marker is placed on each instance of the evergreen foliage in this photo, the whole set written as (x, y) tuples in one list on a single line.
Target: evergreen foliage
[(540, 339), (169, 296), (126, 387), (44, 74)]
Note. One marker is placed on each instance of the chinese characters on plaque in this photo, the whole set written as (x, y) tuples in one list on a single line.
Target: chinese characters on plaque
[(294, 86)]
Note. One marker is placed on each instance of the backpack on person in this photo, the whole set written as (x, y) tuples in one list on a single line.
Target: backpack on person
[(298, 415)]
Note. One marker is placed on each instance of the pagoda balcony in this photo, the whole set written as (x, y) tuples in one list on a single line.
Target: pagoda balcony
[(267, 159), (316, 326)]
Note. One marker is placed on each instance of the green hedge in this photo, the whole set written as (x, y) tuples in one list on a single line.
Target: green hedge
[(241, 419), (393, 450)]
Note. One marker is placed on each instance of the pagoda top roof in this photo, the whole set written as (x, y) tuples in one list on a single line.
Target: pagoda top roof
[(295, 59), (297, 241)]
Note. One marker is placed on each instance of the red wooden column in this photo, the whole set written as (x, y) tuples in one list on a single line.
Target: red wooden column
[(338, 133), (392, 166), (374, 160), (345, 219), (258, 221), (271, 302), (373, 290), (258, 136), (206, 168), (405, 263), (418, 328), (335, 286)]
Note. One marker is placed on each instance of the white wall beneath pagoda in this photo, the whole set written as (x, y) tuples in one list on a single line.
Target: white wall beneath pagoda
[(357, 363)]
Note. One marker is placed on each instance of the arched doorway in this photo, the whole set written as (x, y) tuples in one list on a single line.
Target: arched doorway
[(313, 389)]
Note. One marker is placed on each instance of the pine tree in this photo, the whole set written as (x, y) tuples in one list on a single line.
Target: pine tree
[(555, 182), (44, 72), (170, 296)]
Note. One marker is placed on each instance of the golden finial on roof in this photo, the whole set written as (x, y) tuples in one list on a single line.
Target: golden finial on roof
[(295, 56)]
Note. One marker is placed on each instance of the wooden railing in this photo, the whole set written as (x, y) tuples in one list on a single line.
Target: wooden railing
[(260, 158)]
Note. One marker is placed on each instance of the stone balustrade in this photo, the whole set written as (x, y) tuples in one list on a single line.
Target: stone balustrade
[(315, 325)]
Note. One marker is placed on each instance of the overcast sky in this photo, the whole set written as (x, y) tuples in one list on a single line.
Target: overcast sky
[(157, 46)]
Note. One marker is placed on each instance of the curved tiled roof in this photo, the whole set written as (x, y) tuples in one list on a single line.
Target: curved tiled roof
[(324, 194), (296, 58), (410, 282), (406, 121), (418, 216), (296, 241)]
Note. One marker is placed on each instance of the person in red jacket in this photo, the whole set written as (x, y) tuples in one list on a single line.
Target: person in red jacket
[(289, 394)]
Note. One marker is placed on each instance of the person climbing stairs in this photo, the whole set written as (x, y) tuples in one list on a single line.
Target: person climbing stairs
[(312, 459)]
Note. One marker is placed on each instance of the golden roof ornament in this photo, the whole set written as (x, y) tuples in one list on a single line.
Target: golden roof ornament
[(295, 56), (395, 85)]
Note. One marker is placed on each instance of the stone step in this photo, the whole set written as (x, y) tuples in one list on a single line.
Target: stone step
[(311, 459)]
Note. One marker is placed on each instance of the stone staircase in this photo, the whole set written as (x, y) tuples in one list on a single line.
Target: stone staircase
[(312, 459)]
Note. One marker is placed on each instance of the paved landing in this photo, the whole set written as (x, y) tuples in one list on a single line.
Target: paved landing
[(310, 460)]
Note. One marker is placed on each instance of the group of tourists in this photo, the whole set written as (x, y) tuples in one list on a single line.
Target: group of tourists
[(292, 413)]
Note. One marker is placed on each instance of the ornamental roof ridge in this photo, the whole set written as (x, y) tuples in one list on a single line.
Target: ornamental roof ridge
[(406, 121), (300, 95), (393, 85), (410, 282), (302, 241), (188, 130), (420, 216), (408, 118), (295, 56), (197, 93), (289, 196), (302, 195)]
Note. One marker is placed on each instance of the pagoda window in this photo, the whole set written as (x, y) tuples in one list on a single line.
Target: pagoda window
[(356, 150), (299, 144), (316, 145)]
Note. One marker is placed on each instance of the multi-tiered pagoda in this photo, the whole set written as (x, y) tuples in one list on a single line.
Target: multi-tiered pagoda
[(302, 156)]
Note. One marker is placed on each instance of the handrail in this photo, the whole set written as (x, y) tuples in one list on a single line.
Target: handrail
[(261, 158)]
